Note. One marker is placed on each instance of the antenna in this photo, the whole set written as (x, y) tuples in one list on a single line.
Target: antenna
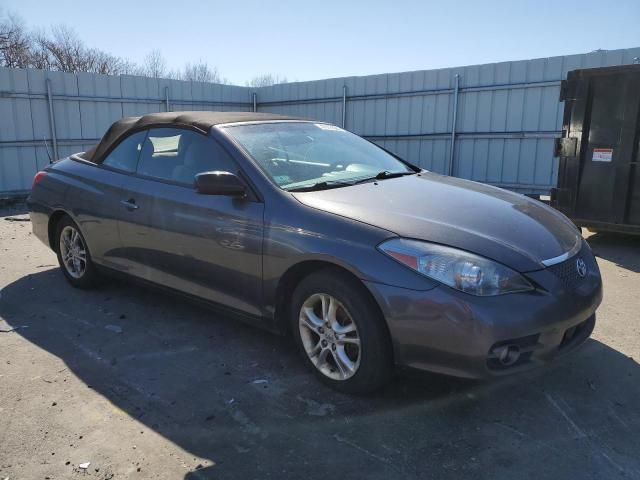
[(46, 146)]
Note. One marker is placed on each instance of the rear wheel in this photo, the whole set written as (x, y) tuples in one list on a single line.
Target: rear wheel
[(73, 255), (341, 333)]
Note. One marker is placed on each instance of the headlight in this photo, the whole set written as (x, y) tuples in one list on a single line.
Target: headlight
[(458, 269)]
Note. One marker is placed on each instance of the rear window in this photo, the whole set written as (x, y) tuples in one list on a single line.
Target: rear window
[(125, 156), (165, 145)]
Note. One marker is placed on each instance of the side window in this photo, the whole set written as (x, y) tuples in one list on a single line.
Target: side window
[(177, 155), (125, 155)]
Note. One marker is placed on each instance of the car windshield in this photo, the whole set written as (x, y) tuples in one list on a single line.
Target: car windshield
[(311, 156)]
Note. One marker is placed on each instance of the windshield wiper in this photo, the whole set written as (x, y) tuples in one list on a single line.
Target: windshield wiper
[(383, 176), (334, 184), (318, 186)]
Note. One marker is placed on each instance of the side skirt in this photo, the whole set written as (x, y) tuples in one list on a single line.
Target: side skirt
[(261, 322)]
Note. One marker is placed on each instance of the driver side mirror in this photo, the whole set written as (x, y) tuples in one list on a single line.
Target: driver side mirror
[(220, 183)]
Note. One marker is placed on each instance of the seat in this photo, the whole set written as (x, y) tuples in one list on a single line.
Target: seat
[(196, 159), (160, 164)]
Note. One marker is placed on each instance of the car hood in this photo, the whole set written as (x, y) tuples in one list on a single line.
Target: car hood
[(504, 226)]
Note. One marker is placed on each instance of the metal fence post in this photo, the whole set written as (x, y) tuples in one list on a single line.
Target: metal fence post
[(344, 106), (166, 98), (452, 150), (52, 121), (255, 102)]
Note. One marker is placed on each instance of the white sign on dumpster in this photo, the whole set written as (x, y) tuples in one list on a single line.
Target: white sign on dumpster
[(602, 154)]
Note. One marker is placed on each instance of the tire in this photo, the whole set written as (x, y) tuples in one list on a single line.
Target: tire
[(82, 274), (329, 349)]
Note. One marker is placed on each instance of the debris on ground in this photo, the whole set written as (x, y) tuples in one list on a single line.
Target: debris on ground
[(113, 328), (6, 328), (17, 219), (259, 381), (316, 409), (84, 466)]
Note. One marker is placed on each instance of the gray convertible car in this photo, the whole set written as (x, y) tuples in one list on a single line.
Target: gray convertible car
[(302, 227)]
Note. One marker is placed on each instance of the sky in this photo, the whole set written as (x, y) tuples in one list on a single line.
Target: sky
[(308, 40)]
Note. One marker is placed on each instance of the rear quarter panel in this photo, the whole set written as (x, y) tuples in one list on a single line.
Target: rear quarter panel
[(47, 197), (90, 195)]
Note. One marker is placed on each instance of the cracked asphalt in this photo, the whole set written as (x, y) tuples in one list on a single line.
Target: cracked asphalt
[(142, 384)]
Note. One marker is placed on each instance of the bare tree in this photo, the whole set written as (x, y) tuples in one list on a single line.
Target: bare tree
[(61, 49), (265, 80), (15, 43), (97, 61), (64, 51), (200, 72), (154, 65)]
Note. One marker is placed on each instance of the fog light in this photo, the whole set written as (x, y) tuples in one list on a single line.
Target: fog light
[(507, 354)]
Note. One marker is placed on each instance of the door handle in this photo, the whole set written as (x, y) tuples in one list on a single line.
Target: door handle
[(130, 204)]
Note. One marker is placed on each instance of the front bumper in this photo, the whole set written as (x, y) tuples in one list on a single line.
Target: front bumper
[(447, 331)]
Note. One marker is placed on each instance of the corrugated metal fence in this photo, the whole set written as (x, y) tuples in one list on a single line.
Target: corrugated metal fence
[(39, 106), (505, 114), (501, 118)]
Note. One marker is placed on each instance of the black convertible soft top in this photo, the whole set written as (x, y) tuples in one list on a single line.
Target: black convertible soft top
[(201, 120)]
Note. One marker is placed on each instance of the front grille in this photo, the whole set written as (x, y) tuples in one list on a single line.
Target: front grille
[(567, 271)]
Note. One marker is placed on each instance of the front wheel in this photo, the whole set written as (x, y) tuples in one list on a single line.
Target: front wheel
[(341, 333), (73, 255)]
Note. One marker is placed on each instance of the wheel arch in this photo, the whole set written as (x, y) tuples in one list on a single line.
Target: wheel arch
[(296, 273), (54, 219)]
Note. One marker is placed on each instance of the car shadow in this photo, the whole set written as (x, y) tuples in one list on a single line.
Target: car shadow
[(239, 397), (623, 250)]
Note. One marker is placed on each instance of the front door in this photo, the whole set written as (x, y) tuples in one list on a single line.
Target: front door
[(205, 245)]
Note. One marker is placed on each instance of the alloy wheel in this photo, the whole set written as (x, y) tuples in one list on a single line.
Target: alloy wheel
[(73, 252), (330, 336)]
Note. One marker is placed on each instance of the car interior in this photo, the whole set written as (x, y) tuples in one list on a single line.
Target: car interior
[(176, 158), (299, 158)]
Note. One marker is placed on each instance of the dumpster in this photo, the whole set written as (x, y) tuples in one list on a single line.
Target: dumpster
[(599, 169)]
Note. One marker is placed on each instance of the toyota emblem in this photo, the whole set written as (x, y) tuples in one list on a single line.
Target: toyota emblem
[(581, 267)]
